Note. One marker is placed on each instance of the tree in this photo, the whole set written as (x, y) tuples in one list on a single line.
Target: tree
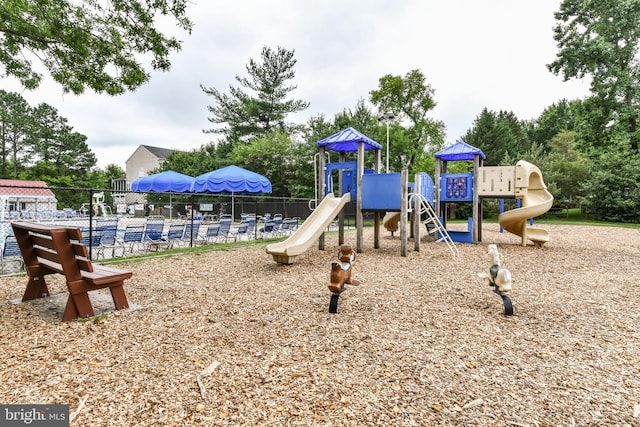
[(195, 162), (318, 128), (600, 38), (249, 115), (72, 154), (111, 172), (567, 169), (86, 43), (410, 98), (558, 117), (48, 126), (613, 189), (269, 156), (360, 118), (55, 142), (497, 135), (15, 127)]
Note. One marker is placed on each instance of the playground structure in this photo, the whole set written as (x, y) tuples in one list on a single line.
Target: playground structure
[(370, 190), (393, 193), (522, 182)]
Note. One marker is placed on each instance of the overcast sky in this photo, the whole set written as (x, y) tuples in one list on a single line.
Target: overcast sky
[(474, 53)]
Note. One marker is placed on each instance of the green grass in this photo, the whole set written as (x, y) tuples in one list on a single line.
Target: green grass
[(572, 217), (177, 251)]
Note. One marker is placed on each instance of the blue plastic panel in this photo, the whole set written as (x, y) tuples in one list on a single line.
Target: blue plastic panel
[(427, 189), (456, 187), (381, 191), (348, 171), (461, 236)]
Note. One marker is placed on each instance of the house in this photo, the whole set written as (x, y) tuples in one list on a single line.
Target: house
[(143, 160), (27, 198)]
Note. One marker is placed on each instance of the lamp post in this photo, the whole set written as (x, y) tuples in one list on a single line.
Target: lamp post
[(386, 118)]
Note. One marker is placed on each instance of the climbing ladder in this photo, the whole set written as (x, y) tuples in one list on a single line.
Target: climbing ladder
[(432, 222)]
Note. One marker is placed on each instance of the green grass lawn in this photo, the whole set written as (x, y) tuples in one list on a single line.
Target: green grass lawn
[(571, 216)]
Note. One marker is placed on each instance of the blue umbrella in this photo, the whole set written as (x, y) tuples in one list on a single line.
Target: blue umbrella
[(164, 182), (231, 179)]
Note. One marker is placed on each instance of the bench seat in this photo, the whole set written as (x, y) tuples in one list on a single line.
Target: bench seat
[(101, 275)]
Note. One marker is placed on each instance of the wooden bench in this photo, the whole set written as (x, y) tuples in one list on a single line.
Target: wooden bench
[(54, 249)]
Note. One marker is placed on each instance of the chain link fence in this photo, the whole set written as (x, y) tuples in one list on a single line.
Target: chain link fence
[(106, 217)]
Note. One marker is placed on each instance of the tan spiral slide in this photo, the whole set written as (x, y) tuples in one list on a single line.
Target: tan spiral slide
[(536, 200)]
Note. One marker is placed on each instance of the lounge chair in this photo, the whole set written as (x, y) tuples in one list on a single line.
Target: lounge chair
[(251, 221), (175, 234), (10, 255), (91, 238), (242, 230), (284, 227), (132, 237), (213, 230), (277, 219), (191, 233), (153, 232), (108, 240), (225, 229), (268, 230)]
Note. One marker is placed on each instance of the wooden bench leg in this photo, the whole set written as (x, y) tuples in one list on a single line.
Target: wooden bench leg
[(36, 288), (78, 305), (119, 297)]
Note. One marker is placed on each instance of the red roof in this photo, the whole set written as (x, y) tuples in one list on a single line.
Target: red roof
[(16, 187)]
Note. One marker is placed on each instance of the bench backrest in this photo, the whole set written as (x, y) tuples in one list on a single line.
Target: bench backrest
[(53, 248)]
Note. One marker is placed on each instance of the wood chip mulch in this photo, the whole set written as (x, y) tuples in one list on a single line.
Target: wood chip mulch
[(229, 337)]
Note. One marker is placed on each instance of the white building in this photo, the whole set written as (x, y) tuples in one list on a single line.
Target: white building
[(25, 199), (143, 160)]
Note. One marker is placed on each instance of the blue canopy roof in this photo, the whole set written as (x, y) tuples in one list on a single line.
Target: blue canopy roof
[(163, 182), (347, 141), (459, 151), (231, 179)]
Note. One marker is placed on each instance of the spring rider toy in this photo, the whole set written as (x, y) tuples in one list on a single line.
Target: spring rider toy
[(341, 275), (499, 278)]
